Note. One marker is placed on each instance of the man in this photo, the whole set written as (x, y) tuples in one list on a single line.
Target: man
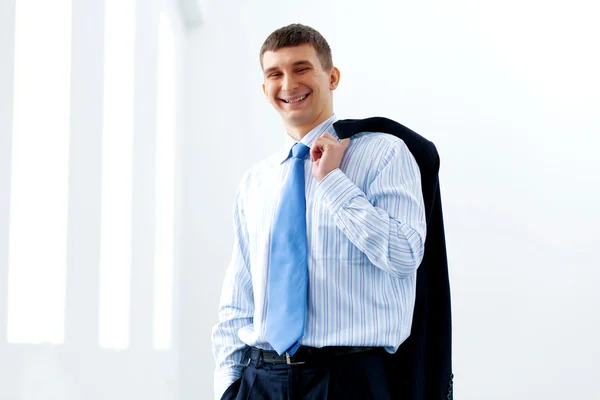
[(321, 284)]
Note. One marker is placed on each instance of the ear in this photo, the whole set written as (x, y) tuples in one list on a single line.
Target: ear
[(264, 88), (334, 78)]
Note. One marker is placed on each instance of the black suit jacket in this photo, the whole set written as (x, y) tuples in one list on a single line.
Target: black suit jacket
[(421, 369)]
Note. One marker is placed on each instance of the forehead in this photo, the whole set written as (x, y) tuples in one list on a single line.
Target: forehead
[(287, 56)]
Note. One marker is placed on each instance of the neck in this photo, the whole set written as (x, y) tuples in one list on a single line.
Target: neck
[(299, 131)]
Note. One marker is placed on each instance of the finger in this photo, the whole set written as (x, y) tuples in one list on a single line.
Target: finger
[(315, 152), (317, 145), (329, 136), (345, 142), (316, 157), (322, 142)]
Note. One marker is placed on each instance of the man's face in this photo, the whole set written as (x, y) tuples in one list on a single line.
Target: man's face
[(297, 85)]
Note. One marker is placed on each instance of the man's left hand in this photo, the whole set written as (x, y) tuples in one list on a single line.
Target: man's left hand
[(326, 154)]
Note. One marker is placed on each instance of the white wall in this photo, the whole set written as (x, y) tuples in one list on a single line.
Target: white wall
[(509, 93), (77, 368)]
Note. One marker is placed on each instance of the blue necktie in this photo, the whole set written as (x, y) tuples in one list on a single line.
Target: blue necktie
[(287, 283)]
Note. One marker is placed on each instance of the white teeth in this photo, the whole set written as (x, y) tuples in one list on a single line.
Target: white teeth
[(296, 100)]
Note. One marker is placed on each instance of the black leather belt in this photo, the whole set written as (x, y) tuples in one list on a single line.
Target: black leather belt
[(303, 354)]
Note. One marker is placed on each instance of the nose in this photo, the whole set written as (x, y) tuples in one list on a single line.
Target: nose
[(289, 83)]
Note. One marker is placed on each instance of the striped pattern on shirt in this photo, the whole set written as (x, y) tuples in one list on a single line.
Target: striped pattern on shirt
[(366, 232)]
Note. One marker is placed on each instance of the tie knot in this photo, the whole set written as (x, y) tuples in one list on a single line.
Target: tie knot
[(300, 150)]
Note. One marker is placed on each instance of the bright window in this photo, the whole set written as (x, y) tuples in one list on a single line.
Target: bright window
[(117, 158), (165, 183), (39, 181)]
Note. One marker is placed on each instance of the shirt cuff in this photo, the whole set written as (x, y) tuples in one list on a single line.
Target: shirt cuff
[(336, 189)]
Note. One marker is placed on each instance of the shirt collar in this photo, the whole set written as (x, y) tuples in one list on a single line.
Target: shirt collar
[(310, 137)]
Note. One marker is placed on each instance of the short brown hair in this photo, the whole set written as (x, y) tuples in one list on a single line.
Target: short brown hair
[(295, 35)]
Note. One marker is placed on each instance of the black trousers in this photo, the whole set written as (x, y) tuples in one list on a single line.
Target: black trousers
[(359, 376)]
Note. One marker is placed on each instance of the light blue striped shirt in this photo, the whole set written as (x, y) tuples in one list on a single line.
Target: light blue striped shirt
[(366, 233)]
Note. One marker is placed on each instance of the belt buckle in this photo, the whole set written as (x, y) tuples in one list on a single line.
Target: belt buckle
[(288, 360)]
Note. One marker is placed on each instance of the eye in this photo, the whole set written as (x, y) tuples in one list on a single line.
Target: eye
[(302, 69), (275, 75)]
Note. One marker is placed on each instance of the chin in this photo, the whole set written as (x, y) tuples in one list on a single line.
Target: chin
[(296, 120), (297, 115)]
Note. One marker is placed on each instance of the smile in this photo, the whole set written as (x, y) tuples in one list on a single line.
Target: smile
[(296, 100)]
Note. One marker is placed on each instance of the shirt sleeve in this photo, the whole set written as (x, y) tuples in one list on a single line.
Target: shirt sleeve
[(236, 307), (387, 223)]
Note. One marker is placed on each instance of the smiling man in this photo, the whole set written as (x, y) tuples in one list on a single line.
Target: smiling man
[(328, 235), (299, 83)]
